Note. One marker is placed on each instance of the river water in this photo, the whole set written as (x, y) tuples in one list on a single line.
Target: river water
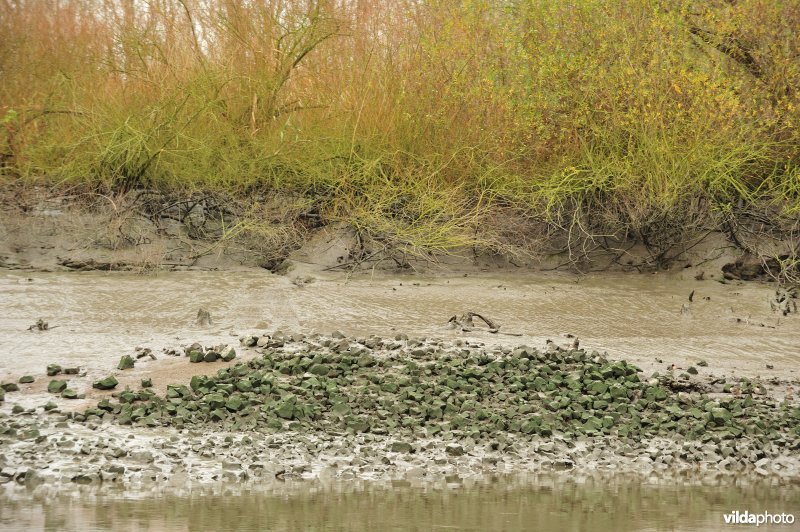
[(96, 317), (540, 503)]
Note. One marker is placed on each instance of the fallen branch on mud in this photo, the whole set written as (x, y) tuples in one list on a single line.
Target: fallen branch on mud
[(466, 323)]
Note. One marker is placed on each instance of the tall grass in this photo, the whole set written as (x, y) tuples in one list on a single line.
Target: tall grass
[(414, 119)]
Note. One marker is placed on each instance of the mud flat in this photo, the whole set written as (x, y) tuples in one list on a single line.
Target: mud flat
[(413, 409)]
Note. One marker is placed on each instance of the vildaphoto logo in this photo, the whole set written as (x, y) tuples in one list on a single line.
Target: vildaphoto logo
[(763, 518)]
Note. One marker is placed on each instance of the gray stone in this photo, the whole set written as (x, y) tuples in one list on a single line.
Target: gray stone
[(401, 447), (454, 450), (142, 456)]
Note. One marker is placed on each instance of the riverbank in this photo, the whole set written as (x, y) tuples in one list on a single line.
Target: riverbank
[(45, 229)]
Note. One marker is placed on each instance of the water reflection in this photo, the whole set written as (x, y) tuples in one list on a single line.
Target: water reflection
[(541, 503)]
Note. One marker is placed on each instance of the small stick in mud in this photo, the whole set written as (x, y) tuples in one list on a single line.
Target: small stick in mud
[(203, 317)]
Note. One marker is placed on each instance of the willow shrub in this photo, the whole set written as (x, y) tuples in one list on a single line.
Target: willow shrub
[(414, 120)]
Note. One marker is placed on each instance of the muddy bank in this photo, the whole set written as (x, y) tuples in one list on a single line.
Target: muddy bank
[(145, 230), (402, 408)]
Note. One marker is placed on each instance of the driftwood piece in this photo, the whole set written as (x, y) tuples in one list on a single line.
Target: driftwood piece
[(465, 321)]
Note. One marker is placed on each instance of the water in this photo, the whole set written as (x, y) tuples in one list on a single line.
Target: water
[(541, 503)]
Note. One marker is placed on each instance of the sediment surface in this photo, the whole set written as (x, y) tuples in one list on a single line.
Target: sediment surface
[(398, 408)]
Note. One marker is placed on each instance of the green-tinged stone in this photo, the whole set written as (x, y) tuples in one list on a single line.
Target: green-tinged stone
[(340, 409), (529, 426), (147, 383), (657, 393), (211, 356), (598, 388), (215, 400), (433, 430), (57, 386), (218, 414), (244, 385), (286, 408), (127, 397), (235, 404), (69, 394), (9, 387), (593, 424), (618, 392), (358, 425), (197, 382), (196, 356), (108, 383), (228, 354), (720, 416), (366, 361), (319, 369), (126, 362), (26, 379), (53, 370), (401, 447)]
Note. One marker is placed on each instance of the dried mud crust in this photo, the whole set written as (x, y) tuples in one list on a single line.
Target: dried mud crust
[(303, 406)]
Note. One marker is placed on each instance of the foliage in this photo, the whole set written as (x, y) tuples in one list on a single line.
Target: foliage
[(412, 119)]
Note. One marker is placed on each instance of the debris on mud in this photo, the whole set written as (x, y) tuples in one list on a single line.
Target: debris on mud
[(40, 325)]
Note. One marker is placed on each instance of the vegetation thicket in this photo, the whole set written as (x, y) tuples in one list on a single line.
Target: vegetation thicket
[(431, 124)]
